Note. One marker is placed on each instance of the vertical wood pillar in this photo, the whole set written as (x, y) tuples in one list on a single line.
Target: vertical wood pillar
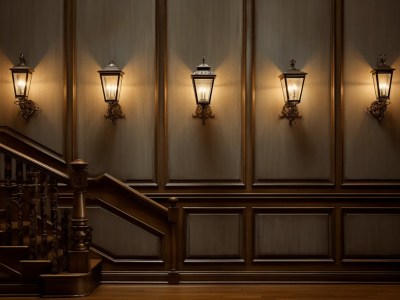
[(78, 256), (173, 215)]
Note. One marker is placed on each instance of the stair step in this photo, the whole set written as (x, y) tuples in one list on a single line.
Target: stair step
[(35, 268), (72, 284), (17, 252), (19, 289), (11, 255)]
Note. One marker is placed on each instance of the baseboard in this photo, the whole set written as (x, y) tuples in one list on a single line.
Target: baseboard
[(134, 277), (19, 289), (252, 277), (264, 277)]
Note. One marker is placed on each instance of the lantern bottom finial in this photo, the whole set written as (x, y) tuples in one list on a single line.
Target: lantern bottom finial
[(203, 111), (114, 112), (378, 109), (290, 112), (28, 107)]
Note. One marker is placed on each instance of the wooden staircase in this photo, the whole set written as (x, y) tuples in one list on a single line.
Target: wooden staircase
[(20, 276), (43, 252)]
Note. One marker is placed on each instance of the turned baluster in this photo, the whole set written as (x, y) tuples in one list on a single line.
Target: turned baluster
[(43, 216), (8, 189), (34, 196), (20, 202), (78, 256), (53, 195), (64, 239), (173, 216)]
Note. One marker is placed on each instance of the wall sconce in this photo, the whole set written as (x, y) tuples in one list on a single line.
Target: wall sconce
[(111, 79), (292, 82), (382, 77), (22, 76), (203, 83)]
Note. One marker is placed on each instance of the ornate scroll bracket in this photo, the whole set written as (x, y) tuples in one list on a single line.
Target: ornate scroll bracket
[(203, 111), (114, 112), (290, 112), (28, 107), (378, 109)]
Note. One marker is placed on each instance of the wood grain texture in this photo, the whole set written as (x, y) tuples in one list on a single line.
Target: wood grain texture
[(215, 235), (36, 29), (371, 149), (120, 238), (212, 30), (292, 233), (371, 234), (301, 30), (123, 31), (245, 291)]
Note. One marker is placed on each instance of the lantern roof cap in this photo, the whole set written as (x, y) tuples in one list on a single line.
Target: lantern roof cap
[(293, 70), (381, 63), (111, 68), (22, 64), (203, 70)]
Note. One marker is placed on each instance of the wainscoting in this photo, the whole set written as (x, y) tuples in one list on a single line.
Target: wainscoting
[(254, 237)]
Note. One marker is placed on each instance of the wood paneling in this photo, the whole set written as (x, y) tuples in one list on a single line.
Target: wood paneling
[(36, 29), (213, 233), (123, 31), (293, 233), (371, 149), (212, 30), (301, 30), (121, 239), (371, 233)]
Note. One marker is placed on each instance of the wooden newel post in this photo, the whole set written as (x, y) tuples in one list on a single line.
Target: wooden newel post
[(173, 216), (78, 256)]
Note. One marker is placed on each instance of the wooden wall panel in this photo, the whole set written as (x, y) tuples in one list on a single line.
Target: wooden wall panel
[(123, 31), (213, 233), (212, 30), (301, 30), (292, 233), (371, 149), (371, 233), (120, 238), (35, 28)]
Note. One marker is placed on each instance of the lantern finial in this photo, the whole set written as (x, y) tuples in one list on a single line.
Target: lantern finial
[(292, 62), (22, 61), (381, 60)]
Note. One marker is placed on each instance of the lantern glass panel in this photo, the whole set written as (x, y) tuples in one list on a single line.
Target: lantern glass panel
[(22, 83), (111, 87), (294, 88), (203, 88), (384, 81), (284, 91)]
